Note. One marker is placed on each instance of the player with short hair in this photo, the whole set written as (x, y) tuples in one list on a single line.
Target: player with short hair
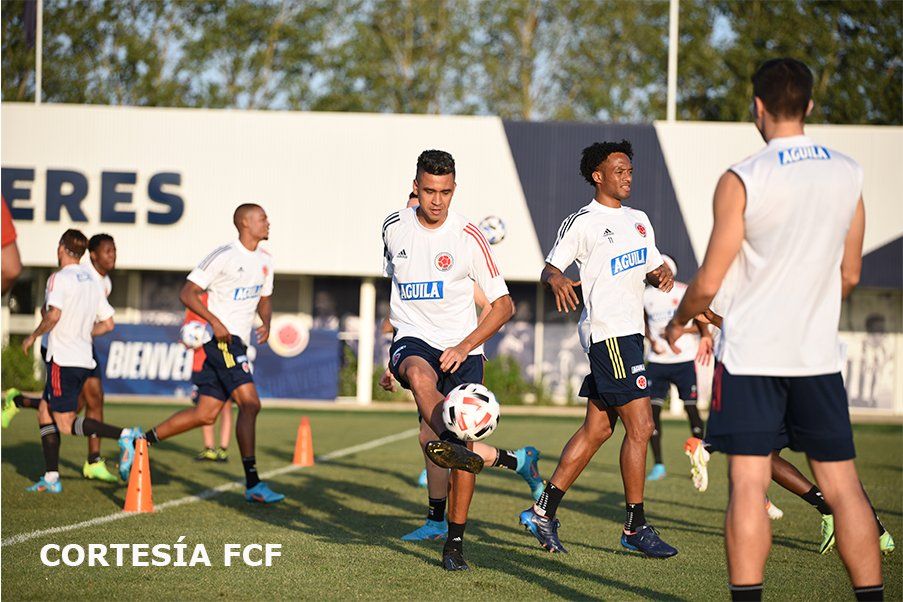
[(238, 278), (614, 247), (433, 256), (524, 461), (792, 216), (664, 367), (76, 311)]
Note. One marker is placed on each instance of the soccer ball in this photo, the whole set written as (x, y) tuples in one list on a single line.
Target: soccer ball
[(194, 334), (471, 412), (493, 229)]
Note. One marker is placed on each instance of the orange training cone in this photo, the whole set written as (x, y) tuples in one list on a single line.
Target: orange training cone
[(304, 445), (138, 498)]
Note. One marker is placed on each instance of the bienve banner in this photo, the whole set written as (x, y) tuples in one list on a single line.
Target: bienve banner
[(150, 359)]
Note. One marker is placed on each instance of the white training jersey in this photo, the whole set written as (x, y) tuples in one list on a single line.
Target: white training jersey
[(235, 279), (784, 310), (82, 304), (660, 308), (104, 282), (614, 249), (433, 272)]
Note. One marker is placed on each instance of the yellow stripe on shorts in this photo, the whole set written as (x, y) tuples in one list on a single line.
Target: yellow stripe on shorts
[(227, 357), (614, 354)]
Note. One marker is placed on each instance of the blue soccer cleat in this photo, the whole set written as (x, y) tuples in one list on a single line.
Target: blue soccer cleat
[(545, 530), (657, 473), (127, 450), (647, 541), (261, 494), (431, 530), (421, 480), (43, 486), (528, 468)]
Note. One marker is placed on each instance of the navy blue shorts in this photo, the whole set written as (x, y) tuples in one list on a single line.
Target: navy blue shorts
[(617, 372), (64, 383), (225, 368), (749, 413), (471, 371), (662, 376), (97, 371)]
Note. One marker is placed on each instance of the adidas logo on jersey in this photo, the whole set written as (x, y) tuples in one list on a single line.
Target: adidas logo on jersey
[(628, 260), (401, 255), (609, 235)]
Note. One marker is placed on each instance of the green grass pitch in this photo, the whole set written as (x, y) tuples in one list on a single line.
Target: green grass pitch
[(341, 523)]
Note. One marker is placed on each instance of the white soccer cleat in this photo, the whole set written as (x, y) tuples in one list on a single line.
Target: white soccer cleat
[(774, 513), (699, 459)]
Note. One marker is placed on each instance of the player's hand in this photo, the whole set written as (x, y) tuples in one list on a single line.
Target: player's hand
[(704, 353), (452, 358), (673, 331), (663, 276), (27, 343), (565, 295), (220, 332), (657, 347), (263, 333), (387, 382)]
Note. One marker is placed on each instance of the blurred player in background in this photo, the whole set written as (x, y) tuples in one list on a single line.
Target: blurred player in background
[(239, 279), (614, 247), (210, 453), (792, 215), (76, 311), (433, 257), (435, 478), (10, 263), (665, 367)]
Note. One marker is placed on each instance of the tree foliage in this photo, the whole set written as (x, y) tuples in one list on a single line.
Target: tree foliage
[(520, 59)]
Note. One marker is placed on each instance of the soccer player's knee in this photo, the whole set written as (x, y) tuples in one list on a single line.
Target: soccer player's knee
[(425, 436), (207, 418), (599, 433), (641, 430), (420, 378)]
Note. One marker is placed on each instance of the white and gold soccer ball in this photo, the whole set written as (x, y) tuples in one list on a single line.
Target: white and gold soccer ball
[(194, 334), (471, 412), (493, 229)]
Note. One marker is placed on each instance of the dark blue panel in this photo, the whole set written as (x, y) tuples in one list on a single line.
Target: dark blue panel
[(547, 156), (883, 267)]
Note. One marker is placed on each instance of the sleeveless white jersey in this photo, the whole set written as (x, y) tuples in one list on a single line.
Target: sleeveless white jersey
[(784, 308), (433, 271), (660, 308), (82, 303), (614, 249), (235, 279)]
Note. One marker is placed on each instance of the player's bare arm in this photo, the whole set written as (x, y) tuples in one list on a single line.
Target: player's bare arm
[(265, 311), (103, 327), (562, 287), (51, 316), (851, 264), (724, 244), (191, 298), (500, 311), (661, 278)]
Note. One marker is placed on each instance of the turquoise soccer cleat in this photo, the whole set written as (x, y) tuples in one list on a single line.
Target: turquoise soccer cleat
[(657, 473), (421, 480), (43, 486), (127, 450), (528, 468), (261, 494), (431, 530)]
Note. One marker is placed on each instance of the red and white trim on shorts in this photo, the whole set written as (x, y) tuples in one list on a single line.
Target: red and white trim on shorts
[(716, 387), (55, 383), (484, 246)]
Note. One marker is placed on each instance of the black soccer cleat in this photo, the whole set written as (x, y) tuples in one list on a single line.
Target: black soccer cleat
[(647, 541), (543, 529), (453, 560), (454, 455)]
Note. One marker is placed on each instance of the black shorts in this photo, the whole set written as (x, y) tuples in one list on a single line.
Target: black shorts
[(97, 371), (471, 371), (64, 383), (225, 368), (662, 376), (617, 372), (749, 413)]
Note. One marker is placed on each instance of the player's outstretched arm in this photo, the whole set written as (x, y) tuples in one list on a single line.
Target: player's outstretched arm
[(191, 298), (851, 264), (265, 311), (562, 287), (500, 311), (724, 244), (51, 316)]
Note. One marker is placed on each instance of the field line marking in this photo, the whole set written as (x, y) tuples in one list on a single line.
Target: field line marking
[(209, 493)]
